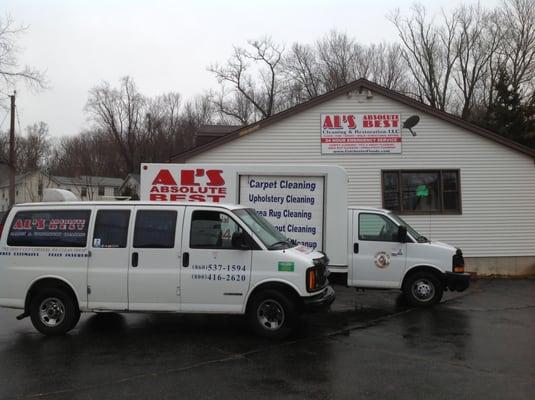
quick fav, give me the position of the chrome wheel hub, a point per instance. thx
(270, 314)
(51, 312)
(423, 289)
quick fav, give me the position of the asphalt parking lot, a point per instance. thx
(477, 345)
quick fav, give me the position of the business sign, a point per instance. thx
(360, 133)
(293, 204)
(171, 183)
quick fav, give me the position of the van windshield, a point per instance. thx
(267, 233)
(413, 232)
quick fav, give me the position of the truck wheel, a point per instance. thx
(423, 289)
(53, 312)
(272, 314)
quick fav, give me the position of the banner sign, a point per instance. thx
(294, 204)
(360, 133)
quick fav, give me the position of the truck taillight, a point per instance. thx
(458, 268)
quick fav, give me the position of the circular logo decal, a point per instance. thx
(382, 259)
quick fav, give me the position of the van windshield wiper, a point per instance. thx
(272, 247)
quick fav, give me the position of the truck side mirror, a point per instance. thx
(402, 234)
(240, 241)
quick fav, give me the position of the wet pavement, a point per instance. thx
(479, 345)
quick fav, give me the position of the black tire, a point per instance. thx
(53, 311)
(423, 289)
(272, 314)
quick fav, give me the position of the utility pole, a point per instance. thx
(12, 166)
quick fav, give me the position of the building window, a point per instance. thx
(422, 191)
(84, 191)
(101, 190)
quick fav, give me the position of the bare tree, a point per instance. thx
(10, 70)
(338, 56)
(479, 36)
(253, 75)
(301, 71)
(32, 151)
(119, 113)
(518, 45)
(430, 53)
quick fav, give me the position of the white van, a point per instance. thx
(60, 259)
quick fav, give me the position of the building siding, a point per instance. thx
(497, 183)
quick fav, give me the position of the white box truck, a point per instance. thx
(308, 204)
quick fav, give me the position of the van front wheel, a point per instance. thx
(423, 289)
(272, 314)
(53, 312)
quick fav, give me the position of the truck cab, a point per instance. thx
(385, 252)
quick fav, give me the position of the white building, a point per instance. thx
(453, 181)
(29, 187)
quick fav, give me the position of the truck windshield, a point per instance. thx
(267, 233)
(410, 229)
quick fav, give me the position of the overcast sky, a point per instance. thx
(166, 45)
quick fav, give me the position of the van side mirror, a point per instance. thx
(240, 241)
(402, 234)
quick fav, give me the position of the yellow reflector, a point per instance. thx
(311, 279)
(459, 269)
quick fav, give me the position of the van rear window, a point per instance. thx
(51, 228)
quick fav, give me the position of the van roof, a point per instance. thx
(129, 203)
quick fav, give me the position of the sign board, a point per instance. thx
(360, 133)
(294, 204)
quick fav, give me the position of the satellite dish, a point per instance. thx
(410, 123)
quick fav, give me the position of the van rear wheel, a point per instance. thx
(272, 314)
(53, 312)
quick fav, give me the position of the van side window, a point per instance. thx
(212, 230)
(50, 228)
(111, 229)
(376, 227)
(155, 229)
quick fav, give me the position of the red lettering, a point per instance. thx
(177, 197)
(367, 123)
(327, 123)
(164, 177)
(187, 178)
(157, 197)
(337, 121)
(197, 197)
(39, 223)
(215, 177)
(351, 124)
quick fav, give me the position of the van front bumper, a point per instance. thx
(319, 301)
(457, 282)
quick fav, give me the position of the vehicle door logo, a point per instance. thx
(382, 259)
